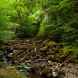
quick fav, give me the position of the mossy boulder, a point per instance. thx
(10, 72)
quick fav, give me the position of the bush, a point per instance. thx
(6, 35)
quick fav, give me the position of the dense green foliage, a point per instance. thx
(39, 18)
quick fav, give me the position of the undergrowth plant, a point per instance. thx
(39, 18)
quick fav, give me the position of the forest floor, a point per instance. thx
(45, 58)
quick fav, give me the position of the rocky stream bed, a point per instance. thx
(45, 58)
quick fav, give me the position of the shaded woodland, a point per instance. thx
(39, 38)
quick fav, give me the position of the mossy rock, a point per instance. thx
(10, 72)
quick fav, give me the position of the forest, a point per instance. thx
(38, 39)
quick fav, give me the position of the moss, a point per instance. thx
(10, 72)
